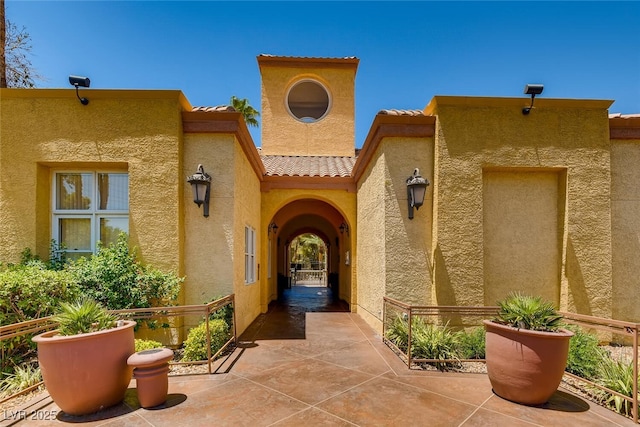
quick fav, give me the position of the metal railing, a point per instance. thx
(203, 311)
(469, 316)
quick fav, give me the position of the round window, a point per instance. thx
(308, 101)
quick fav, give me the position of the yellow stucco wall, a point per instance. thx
(209, 241)
(394, 251)
(625, 222)
(214, 266)
(246, 195)
(135, 131)
(475, 134)
(523, 226)
(283, 135)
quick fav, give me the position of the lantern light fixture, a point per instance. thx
(201, 185)
(344, 227)
(272, 227)
(416, 189)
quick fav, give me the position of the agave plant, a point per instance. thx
(83, 316)
(528, 312)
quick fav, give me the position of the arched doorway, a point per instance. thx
(307, 252)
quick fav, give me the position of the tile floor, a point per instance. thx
(331, 369)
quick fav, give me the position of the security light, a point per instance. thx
(533, 90)
(78, 81)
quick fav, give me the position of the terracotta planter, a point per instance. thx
(525, 366)
(87, 372)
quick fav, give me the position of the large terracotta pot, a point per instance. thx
(85, 373)
(525, 366)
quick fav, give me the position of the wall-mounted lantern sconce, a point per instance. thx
(344, 227)
(201, 185)
(532, 90)
(416, 189)
(78, 81)
(272, 227)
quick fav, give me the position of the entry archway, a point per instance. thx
(319, 218)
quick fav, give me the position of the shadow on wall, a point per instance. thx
(445, 294)
(577, 291)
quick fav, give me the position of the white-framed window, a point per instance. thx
(89, 206)
(249, 255)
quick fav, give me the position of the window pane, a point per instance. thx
(75, 233)
(73, 191)
(113, 191)
(110, 228)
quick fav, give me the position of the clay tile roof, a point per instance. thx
(330, 166)
(402, 112)
(218, 108)
(266, 55)
(623, 116)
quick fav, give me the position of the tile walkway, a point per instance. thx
(328, 368)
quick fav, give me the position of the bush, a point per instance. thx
(428, 341)
(195, 346)
(115, 278)
(434, 342)
(584, 354)
(142, 345)
(471, 345)
(29, 292)
(23, 378)
(83, 316)
(398, 333)
(528, 312)
(617, 376)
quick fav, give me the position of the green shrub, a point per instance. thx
(398, 333)
(24, 377)
(83, 316)
(28, 292)
(471, 344)
(225, 313)
(115, 278)
(195, 346)
(617, 376)
(584, 354)
(142, 345)
(528, 312)
(428, 341)
(434, 342)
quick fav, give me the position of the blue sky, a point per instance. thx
(408, 51)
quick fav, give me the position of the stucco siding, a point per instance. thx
(573, 136)
(282, 134)
(371, 241)
(625, 201)
(246, 208)
(138, 132)
(209, 242)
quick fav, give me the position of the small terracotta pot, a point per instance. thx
(525, 366)
(151, 370)
(85, 373)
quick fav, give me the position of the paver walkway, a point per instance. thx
(306, 363)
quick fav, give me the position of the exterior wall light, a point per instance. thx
(78, 81)
(272, 227)
(416, 189)
(532, 90)
(201, 185)
(344, 227)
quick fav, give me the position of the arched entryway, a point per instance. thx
(311, 282)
